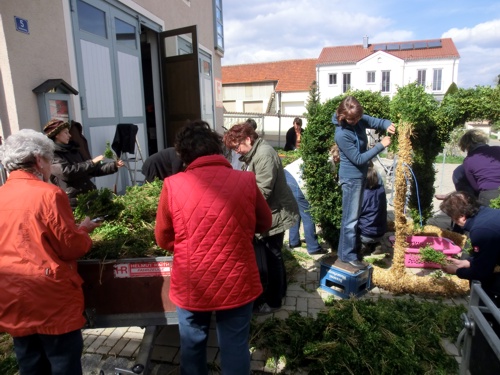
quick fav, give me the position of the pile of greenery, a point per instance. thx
(388, 336)
(128, 230)
(8, 362)
(428, 254)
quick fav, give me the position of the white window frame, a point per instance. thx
(346, 86)
(332, 77)
(421, 77)
(218, 27)
(437, 79)
(385, 84)
(370, 76)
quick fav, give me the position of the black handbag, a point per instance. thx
(261, 257)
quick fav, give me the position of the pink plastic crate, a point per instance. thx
(412, 258)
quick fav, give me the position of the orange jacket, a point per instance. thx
(40, 288)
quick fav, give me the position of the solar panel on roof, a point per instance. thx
(434, 43)
(379, 47)
(405, 46)
(393, 47)
(417, 45)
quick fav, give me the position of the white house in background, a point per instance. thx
(386, 66)
(267, 88)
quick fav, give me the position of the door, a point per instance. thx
(108, 56)
(180, 78)
(109, 60)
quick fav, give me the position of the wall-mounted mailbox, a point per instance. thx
(53, 100)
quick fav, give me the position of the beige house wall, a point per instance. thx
(30, 59)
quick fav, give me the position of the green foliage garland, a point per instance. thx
(413, 105)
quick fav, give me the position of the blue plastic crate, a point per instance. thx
(343, 283)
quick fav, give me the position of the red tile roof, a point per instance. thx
(290, 75)
(353, 54)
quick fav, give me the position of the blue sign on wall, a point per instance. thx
(22, 25)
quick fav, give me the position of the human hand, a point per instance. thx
(88, 225)
(391, 129)
(120, 163)
(386, 141)
(455, 264)
(97, 159)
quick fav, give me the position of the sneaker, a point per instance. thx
(319, 252)
(366, 249)
(378, 250)
(264, 309)
(358, 264)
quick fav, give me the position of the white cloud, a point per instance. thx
(485, 34)
(479, 49)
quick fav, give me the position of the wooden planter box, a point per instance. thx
(127, 292)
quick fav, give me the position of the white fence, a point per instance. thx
(272, 128)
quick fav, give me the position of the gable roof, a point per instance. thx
(290, 75)
(354, 53)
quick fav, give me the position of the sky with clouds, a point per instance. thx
(274, 30)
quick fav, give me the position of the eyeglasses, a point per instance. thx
(237, 149)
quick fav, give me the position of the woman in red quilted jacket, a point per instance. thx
(208, 216)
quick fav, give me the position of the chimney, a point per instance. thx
(365, 42)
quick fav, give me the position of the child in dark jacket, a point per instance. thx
(373, 219)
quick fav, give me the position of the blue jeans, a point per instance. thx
(233, 328)
(312, 243)
(49, 354)
(352, 199)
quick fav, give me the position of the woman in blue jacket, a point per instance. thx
(350, 136)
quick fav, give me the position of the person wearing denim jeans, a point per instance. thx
(350, 137)
(208, 215)
(233, 328)
(293, 175)
(352, 198)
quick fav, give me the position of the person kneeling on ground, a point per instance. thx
(483, 225)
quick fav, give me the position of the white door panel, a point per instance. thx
(130, 85)
(98, 82)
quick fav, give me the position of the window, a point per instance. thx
(386, 81)
(370, 77)
(219, 26)
(125, 33)
(346, 82)
(91, 19)
(436, 83)
(332, 78)
(421, 77)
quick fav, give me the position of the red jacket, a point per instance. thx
(208, 215)
(40, 289)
